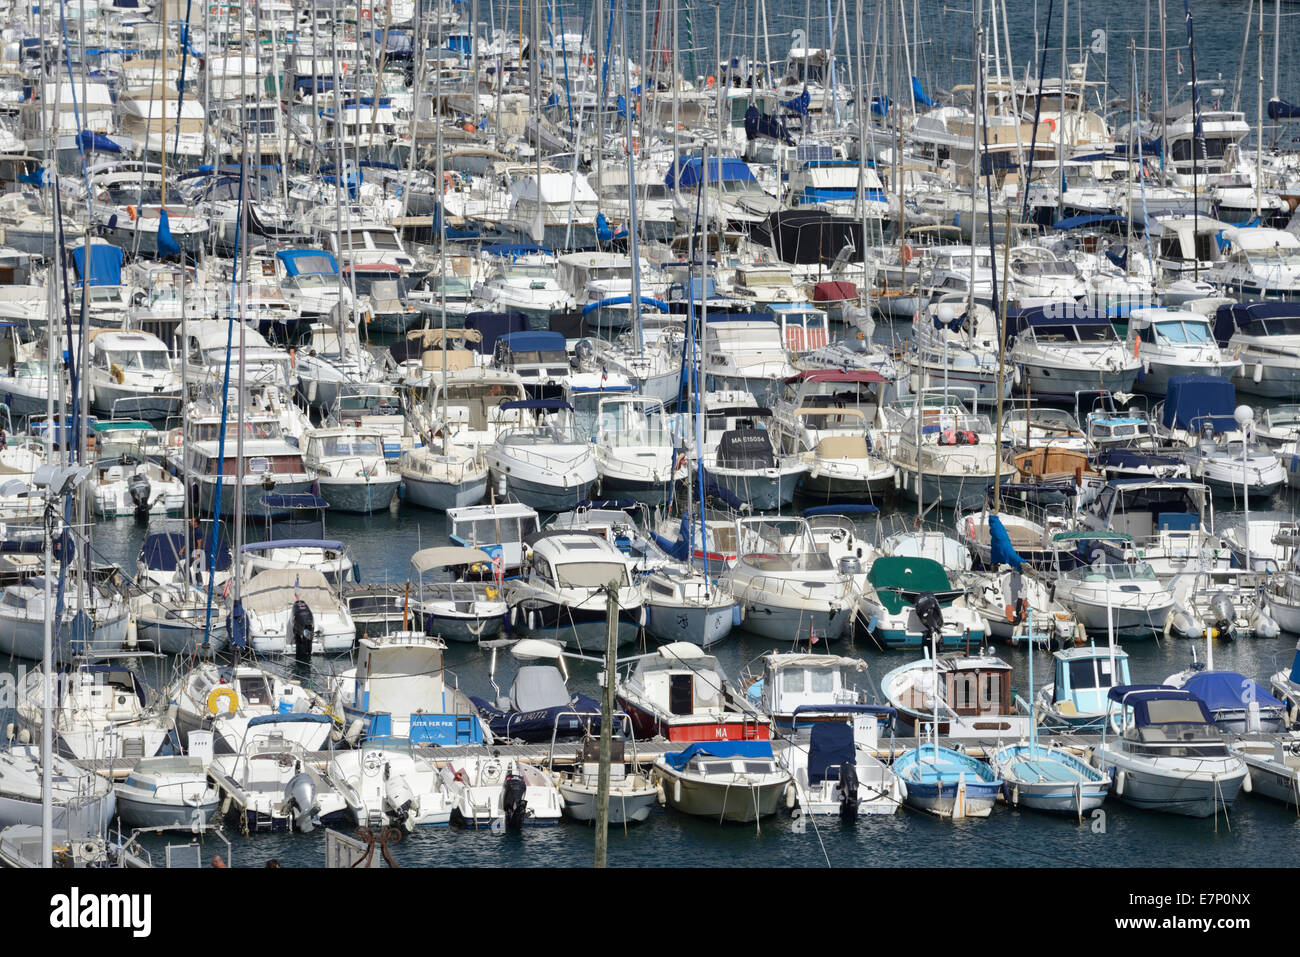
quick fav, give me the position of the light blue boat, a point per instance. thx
(1048, 779)
(947, 782)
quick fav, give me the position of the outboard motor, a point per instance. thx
(138, 487)
(300, 801)
(303, 623)
(848, 792)
(398, 799)
(1223, 614)
(930, 613)
(513, 805)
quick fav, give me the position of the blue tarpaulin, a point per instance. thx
(105, 264)
(1228, 691)
(35, 178)
(688, 172)
(918, 94)
(798, 104)
(1193, 400)
(534, 340)
(98, 142)
(167, 244)
(604, 233)
(759, 124)
(718, 749)
(1001, 551)
(830, 746)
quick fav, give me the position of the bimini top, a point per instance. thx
(689, 172)
(1193, 400)
(1228, 691)
(534, 340)
(1158, 704)
(308, 262)
(720, 749)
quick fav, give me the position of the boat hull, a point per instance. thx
(359, 497)
(699, 625)
(441, 496)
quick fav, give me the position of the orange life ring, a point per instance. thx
(130, 211)
(710, 81)
(906, 254)
(1051, 122)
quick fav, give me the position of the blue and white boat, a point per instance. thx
(1170, 756)
(889, 606)
(1076, 698)
(1046, 778)
(946, 782)
(1239, 705)
(539, 707)
(399, 691)
(831, 759)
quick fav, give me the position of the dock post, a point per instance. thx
(606, 724)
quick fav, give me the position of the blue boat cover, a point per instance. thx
(689, 171)
(1090, 221)
(534, 340)
(105, 264)
(1282, 110)
(840, 510)
(493, 325)
(297, 718)
(308, 262)
(1192, 400)
(623, 301)
(1227, 691)
(167, 244)
(830, 745)
(720, 749)
(1001, 551)
(918, 94)
(97, 141)
(164, 551)
(1141, 697)
(552, 405)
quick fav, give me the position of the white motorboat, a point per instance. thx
(1274, 764)
(76, 794)
(443, 478)
(272, 783)
(496, 792)
(635, 456)
(738, 781)
(1169, 756)
(562, 595)
(131, 374)
(351, 470)
(684, 604)
(1059, 351)
(1119, 598)
(101, 712)
(457, 595)
(224, 698)
(167, 792)
(832, 762)
(632, 793)
(788, 588)
(547, 467)
(391, 786)
(295, 609)
(1174, 342)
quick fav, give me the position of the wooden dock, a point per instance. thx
(567, 754)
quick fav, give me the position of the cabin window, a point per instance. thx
(822, 682)
(1083, 676)
(254, 691)
(681, 697)
(793, 682)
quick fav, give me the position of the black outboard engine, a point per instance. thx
(513, 805)
(930, 613)
(138, 487)
(1223, 614)
(848, 793)
(303, 623)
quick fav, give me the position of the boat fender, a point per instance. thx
(25, 736)
(354, 731)
(1259, 372)
(225, 692)
(132, 633)
(677, 790)
(659, 793)
(791, 797)
(1247, 784)
(1121, 778)
(1015, 795)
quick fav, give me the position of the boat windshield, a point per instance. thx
(591, 574)
(1115, 572)
(139, 361)
(349, 445)
(1183, 333)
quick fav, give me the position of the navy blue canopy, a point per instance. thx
(1228, 691)
(165, 551)
(1256, 319)
(1141, 698)
(326, 543)
(492, 326)
(552, 405)
(1193, 400)
(295, 718)
(718, 749)
(759, 124)
(840, 510)
(1282, 110)
(105, 264)
(689, 171)
(534, 340)
(97, 141)
(830, 746)
(1090, 221)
